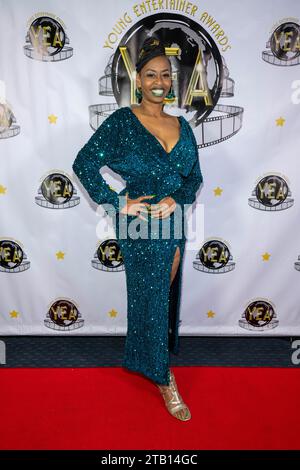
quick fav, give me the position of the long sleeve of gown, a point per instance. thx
(186, 194)
(99, 151)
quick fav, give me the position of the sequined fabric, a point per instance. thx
(129, 149)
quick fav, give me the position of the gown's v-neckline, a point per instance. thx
(153, 136)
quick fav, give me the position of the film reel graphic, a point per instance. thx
(8, 126)
(283, 45)
(200, 77)
(271, 193)
(297, 264)
(259, 315)
(214, 257)
(13, 258)
(57, 192)
(46, 40)
(63, 315)
(108, 256)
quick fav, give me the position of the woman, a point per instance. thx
(157, 155)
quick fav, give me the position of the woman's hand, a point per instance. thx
(164, 208)
(135, 206)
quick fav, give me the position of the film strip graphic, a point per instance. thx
(100, 266)
(11, 131)
(269, 326)
(222, 127)
(199, 266)
(7, 119)
(224, 121)
(32, 53)
(49, 323)
(297, 264)
(18, 269)
(269, 57)
(256, 204)
(43, 202)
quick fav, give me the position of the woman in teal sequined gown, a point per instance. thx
(126, 146)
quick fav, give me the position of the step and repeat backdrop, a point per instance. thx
(64, 67)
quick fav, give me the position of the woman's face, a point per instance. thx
(155, 79)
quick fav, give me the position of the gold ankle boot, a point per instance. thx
(173, 400)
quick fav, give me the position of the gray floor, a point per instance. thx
(107, 351)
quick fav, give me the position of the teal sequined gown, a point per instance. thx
(129, 149)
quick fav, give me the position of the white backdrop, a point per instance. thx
(45, 121)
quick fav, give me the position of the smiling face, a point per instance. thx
(155, 79)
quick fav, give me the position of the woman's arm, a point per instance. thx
(99, 151)
(186, 194)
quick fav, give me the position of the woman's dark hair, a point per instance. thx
(152, 47)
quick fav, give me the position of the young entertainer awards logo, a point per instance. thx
(63, 315)
(108, 256)
(259, 315)
(56, 191)
(283, 45)
(214, 257)
(46, 39)
(13, 258)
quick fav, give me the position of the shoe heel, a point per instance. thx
(173, 400)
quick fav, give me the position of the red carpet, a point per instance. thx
(112, 408)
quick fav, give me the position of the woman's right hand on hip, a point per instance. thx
(136, 206)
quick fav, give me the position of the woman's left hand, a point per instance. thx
(163, 209)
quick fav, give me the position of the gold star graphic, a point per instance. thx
(113, 313)
(2, 189)
(52, 119)
(210, 314)
(218, 191)
(60, 255)
(266, 256)
(280, 121)
(14, 314)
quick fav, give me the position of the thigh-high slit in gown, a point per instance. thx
(148, 248)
